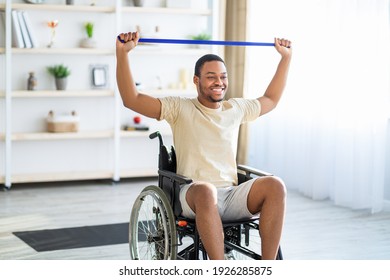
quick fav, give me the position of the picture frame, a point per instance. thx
(99, 76)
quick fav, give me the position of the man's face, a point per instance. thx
(212, 83)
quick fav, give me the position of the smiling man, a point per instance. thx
(205, 133)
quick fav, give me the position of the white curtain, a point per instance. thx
(327, 136)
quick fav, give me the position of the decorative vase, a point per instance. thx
(69, 2)
(61, 83)
(31, 81)
(88, 43)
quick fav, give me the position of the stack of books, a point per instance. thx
(22, 33)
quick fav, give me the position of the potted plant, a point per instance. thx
(60, 73)
(88, 42)
(200, 37)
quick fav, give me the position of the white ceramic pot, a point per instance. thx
(88, 43)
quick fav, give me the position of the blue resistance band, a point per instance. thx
(199, 42)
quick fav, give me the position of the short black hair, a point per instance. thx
(206, 58)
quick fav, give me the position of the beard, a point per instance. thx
(210, 97)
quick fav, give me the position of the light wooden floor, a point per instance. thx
(313, 229)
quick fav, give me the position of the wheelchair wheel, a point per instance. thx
(152, 228)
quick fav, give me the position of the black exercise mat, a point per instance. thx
(76, 237)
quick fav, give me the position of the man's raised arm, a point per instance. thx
(131, 98)
(276, 87)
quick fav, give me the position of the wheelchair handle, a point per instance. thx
(157, 134)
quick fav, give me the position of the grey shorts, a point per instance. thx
(232, 202)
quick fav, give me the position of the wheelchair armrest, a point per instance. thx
(175, 177)
(249, 170)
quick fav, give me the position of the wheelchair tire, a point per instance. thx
(152, 227)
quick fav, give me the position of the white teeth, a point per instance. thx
(217, 89)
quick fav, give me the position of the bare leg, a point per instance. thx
(268, 196)
(202, 198)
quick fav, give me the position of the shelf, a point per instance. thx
(60, 176)
(109, 9)
(64, 51)
(141, 50)
(47, 136)
(141, 134)
(60, 93)
(82, 175)
(64, 8)
(95, 93)
(162, 10)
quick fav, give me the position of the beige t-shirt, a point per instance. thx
(205, 139)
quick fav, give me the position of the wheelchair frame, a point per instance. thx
(162, 233)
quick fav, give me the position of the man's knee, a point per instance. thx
(277, 186)
(202, 195)
(271, 189)
(270, 186)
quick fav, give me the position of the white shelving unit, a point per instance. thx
(100, 150)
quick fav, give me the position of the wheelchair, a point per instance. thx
(157, 231)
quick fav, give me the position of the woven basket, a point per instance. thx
(66, 123)
(62, 126)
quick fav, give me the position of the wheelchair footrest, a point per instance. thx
(243, 250)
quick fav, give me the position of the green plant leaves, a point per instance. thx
(59, 71)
